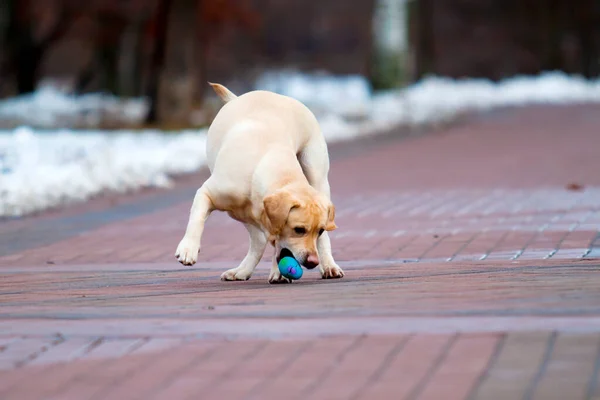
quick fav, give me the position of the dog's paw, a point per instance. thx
(331, 272)
(276, 277)
(187, 251)
(236, 274)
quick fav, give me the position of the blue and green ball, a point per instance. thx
(290, 268)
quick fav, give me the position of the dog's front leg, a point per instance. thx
(315, 164)
(327, 265)
(258, 243)
(187, 251)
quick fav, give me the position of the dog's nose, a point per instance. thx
(311, 261)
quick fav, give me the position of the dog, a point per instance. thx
(269, 166)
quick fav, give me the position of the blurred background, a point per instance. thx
(71, 72)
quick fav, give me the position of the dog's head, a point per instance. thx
(295, 220)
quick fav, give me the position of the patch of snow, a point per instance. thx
(39, 170)
(438, 98)
(433, 99)
(50, 106)
(324, 94)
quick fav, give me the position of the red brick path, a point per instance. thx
(472, 273)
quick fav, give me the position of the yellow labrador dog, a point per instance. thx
(269, 165)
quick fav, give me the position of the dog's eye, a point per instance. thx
(321, 232)
(299, 230)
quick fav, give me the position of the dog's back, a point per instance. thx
(256, 122)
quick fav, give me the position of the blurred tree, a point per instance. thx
(110, 27)
(422, 37)
(34, 26)
(452, 37)
(112, 20)
(388, 69)
(116, 33)
(26, 45)
(158, 56)
(211, 17)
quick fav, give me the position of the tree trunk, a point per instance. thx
(131, 55)
(28, 61)
(109, 59)
(24, 51)
(85, 77)
(588, 28)
(137, 70)
(202, 68)
(25, 56)
(158, 57)
(421, 16)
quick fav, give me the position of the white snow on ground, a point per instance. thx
(42, 169)
(50, 106)
(39, 170)
(348, 96)
(431, 100)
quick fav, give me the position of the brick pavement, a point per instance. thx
(471, 256)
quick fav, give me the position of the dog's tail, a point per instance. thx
(225, 94)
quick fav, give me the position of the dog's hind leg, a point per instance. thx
(258, 243)
(187, 251)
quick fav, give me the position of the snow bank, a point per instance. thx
(435, 98)
(39, 169)
(49, 107)
(324, 94)
(431, 100)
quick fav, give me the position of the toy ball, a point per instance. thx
(290, 268)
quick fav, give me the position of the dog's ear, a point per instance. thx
(277, 207)
(330, 218)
